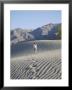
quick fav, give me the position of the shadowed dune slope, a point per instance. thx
(25, 48)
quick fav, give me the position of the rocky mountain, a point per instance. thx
(49, 31)
(19, 35)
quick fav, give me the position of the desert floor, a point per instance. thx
(45, 64)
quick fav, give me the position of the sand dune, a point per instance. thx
(45, 64)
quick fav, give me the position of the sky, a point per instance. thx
(32, 19)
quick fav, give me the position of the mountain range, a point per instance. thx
(46, 32)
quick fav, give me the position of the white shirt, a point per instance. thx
(35, 46)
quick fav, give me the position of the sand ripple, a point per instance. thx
(45, 64)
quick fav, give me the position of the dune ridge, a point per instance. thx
(40, 65)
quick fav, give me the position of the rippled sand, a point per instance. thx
(40, 65)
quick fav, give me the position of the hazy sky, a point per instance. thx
(31, 19)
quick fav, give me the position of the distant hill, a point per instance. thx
(46, 32)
